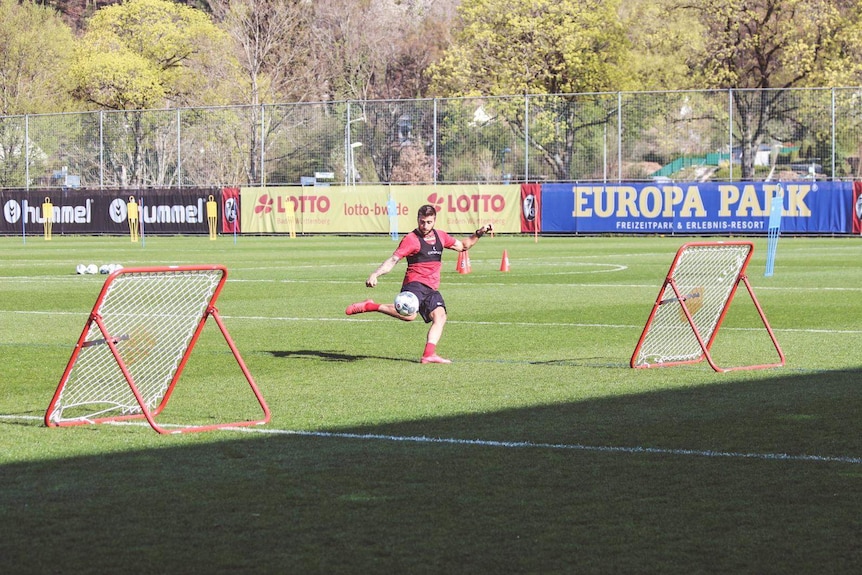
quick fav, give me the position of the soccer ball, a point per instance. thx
(81, 269)
(92, 269)
(406, 303)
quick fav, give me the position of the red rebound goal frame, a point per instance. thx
(135, 345)
(692, 303)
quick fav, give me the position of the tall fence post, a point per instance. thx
(261, 168)
(101, 149)
(619, 137)
(526, 139)
(179, 152)
(26, 153)
(832, 151)
(730, 133)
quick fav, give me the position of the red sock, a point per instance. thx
(371, 306)
(429, 349)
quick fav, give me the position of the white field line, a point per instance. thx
(454, 283)
(482, 323)
(637, 450)
(614, 268)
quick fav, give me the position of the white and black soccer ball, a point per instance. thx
(81, 269)
(406, 303)
(92, 269)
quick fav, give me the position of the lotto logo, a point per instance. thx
(467, 203)
(264, 204)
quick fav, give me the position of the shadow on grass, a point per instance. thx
(330, 355)
(233, 502)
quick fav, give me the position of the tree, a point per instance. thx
(34, 49)
(665, 42)
(761, 48)
(146, 53)
(378, 49)
(143, 54)
(534, 47)
(348, 41)
(271, 39)
(370, 49)
(418, 34)
(34, 44)
(564, 47)
(273, 47)
(414, 166)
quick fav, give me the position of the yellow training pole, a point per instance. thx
(133, 218)
(291, 218)
(47, 217)
(212, 216)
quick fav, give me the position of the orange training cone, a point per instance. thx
(504, 265)
(463, 263)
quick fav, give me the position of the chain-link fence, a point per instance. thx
(729, 135)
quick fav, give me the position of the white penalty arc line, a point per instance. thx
(517, 444)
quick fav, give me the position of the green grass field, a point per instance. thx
(538, 450)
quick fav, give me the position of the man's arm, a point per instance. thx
(467, 243)
(382, 269)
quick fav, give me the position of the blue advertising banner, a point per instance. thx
(696, 207)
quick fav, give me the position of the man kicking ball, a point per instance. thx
(423, 248)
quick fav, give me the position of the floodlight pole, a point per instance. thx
(503, 164)
(348, 148)
(352, 148)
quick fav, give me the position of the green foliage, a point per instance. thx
(144, 53)
(774, 44)
(536, 47)
(665, 45)
(117, 80)
(35, 46)
(779, 43)
(473, 134)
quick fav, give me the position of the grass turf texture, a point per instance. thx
(543, 451)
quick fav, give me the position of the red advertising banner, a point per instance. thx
(857, 208)
(531, 204)
(230, 211)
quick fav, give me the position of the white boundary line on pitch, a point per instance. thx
(520, 444)
(453, 321)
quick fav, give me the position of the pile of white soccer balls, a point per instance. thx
(93, 269)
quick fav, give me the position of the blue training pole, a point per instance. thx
(392, 210)
(774, 231)
(143, 241)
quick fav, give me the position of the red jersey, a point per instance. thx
(424, 256)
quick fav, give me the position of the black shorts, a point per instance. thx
(429, 299)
